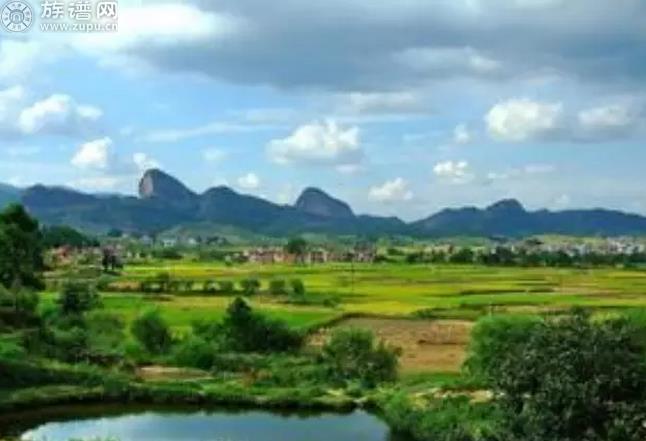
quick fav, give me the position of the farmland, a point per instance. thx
(379, 293)
(447, 291)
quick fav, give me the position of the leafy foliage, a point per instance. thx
(352, 354)
(152, 332)
(243, 330)
(574, 379)
(21, 260)
(78, 297)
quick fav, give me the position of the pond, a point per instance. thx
(126, 423)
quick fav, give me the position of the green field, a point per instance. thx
(460, 291)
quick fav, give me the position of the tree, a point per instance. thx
(277, 287)
(244, 330)
(296, 246)
(574, 379)
(250, 286)
(21, 260)
(352, 354)
(18, 307)
(298, 288)
(77, 298)
(152, 332)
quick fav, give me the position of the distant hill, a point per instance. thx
(509, 218)
(8, 194)
(165, 203)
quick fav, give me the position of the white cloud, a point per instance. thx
(99, 156)
(456, 172)
(250, 181)
(10, 100)
(612, 117)
(96, 154)
(18, 58)
(212, 128)
(100, 183)
(522, 119)
(391, 191)
(380, 102)
(461, 134)
(561, 201)
(58, 114)
(160, 25)
(19, 151)
(214, 155)
(521, 172)
(442, 61)
(318, 144)
(144, 162)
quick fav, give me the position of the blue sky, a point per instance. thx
(398, 107)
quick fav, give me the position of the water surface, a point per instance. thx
(163, 424)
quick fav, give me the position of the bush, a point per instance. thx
(106, 334)
(226, 287)
(449, 419)
(493, 336)
(152, 332)
(244, 330)
(277, 287)
(77, 298)
(574, 379)
(352, 354)
(194, 352)
(250, 286)
(298, 288)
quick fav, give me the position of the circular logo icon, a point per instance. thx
(16, 16)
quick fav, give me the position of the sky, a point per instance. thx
(399, 107)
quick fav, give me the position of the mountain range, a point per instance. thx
(164, 202)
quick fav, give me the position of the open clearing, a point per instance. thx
(427, 346)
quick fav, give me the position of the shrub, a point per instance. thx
(194, 352)
(226, 287)
(250, 286)
(277, 287)
(106, 333)
(244, 330)
(152, 332)
(493, 336)
(448, 419)
(352, 354)
(298, 288)
(77, 298)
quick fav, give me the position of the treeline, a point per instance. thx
(163, 282)
(503, 256)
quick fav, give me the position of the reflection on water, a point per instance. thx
(128, 424)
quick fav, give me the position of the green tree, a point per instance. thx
(152, 332)
(353, 354)
(574, 379)
(78, 297)
(298, 288)
(250, 286)
(296, 246)
(244, 330)
(21, 261)
(277, 287)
